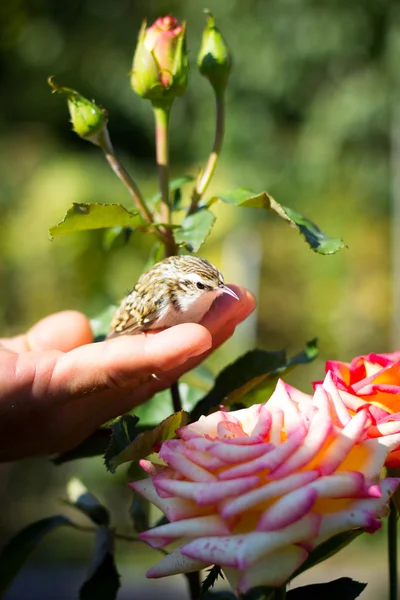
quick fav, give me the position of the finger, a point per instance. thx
(62, 331)
(128, 360)
(221, 323)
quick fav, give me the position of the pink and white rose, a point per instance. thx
(255, 490)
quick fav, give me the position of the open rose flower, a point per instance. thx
(255, 490)
(373, 379)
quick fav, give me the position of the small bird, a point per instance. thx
(178, 289)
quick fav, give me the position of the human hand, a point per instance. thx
(56, 387)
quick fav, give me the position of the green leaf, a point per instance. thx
(17, 551)
(316, 239)
(83, 216)
(80, 498)
(255, 369)
(265, 385)
(213, 574)
(143, 444)
(174, 184)
(100, 324)
(194, 229)
(343, 588)
(116, 237)
(328, 549)
(123, 431)
(103, 580)
(94, 445)
(201, 377)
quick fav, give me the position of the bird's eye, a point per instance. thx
(200, 285)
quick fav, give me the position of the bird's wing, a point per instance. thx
(127, 320)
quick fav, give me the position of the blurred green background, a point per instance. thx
(312, 119)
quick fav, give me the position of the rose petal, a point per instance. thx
(272, 489)
(173, 564)
(199, 526)
(273, 570)
(270, 461)
(208, 493)
(287, 510)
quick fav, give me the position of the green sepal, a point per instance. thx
(87, 118)
(214, 59)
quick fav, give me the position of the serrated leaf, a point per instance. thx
(343, 588)
(17, 551)
(194, 229)
(123, 431)
(213, 574)
(83, 216)
(328, 549)
(252, 370)
(94, 445)
(102, 582)
(143, 444)
(80, 498)
(316, 239)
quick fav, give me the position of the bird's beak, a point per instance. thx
(225, 289)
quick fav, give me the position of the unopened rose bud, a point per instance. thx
(214, 59)
(160, 64)
(88, 120)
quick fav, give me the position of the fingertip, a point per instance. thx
(61, 331)
(226, 308)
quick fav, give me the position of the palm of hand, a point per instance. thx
(57, 387)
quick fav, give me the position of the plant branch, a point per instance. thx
(392, 551)
(193, 580)
(105, 144)
(161, 115)
(206, 175)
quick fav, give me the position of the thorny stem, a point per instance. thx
(392, 551)
(120, 171)
(205, 176)
(161, 115)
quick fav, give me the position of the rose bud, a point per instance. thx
(160, 64)
(88, 120)
(214, 59)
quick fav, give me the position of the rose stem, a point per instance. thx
(107, 147)
(161, 115)
(194, 584)
(206, 176)
(392, 551)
